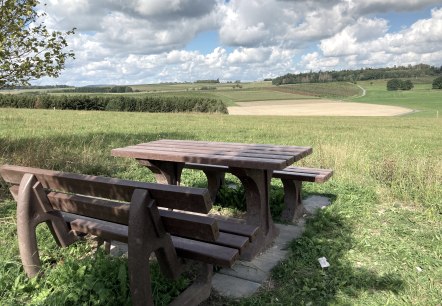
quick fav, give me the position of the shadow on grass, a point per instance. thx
(299, 279)
(87, 153)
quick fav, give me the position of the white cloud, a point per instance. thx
(249, 55)
(411, 45)
(137, 41)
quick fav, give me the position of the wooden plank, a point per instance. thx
(98, 208)
(306, 177)
(190, 226)
(170, 196)
(218, 148)
(233, 241)
(304, 174)
(226, 225)
(187, 248)
(295, 173)
(205, 252)
(281, 148)
(185, 225)
(213, 151)
(238, 229)
(232, 161)
(106, 230)
(307, 170)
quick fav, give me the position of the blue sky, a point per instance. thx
(138, 41)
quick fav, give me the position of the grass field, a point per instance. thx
(382, 234)
(427, 101)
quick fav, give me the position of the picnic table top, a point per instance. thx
(241, 155)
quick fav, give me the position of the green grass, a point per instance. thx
(427, 101)
(384, 223)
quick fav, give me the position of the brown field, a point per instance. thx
(316, 107)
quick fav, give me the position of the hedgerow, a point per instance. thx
(151, 104)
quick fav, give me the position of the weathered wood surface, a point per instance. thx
(255, 156)
(170, 196)
(305, 174)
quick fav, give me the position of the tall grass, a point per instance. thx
(385, 220)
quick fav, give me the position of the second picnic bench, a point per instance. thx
(137, 213)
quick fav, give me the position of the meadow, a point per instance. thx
(382, 234)
(426, 101)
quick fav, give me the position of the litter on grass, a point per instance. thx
(323, 262)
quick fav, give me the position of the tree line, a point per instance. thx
(151, 104)
(363, 74)
(99, 89)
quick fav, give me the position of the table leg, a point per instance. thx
(165, 172)
(294, 209)
(256, 184)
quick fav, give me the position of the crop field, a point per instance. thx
(382, 234)
(332, 90)
(261, 95)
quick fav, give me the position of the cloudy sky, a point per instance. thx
(152, 41)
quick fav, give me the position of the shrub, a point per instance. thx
(152, 104)
(398, 84)
(437, 83)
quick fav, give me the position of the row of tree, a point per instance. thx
(151, 104)
(99, 89)
(359, 75)
(208, 81)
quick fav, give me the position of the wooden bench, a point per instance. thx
(291, 177)
(136, 213)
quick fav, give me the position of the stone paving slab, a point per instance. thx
(238, 288)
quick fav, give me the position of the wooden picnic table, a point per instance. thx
(253, 164)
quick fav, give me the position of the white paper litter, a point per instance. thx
(419, 269)
(323, 262)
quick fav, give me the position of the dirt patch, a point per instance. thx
(315, 107)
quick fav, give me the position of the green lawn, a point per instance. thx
(382, 234)
(427, 101)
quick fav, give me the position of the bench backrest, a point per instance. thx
(108, 199)
(169, 196)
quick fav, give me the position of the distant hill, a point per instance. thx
(363, 74)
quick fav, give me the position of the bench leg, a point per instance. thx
(294, 209)
(33, 208)
(257, 188)
(165, 172)
(146, 235)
